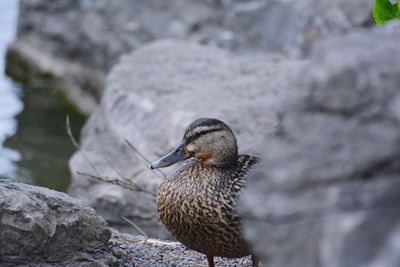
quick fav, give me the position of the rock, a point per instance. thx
(327, 191)
(37, 69)
(141, 252)
(99, 37)
(40, 227)
(152, 95)
(38, 224)
(292, 27)
(78, 42)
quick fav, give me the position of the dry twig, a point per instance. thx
(144, 158)
(123, 182)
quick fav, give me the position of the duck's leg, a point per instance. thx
(210, 260)
(255, 260)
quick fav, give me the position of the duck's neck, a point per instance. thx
(221, 162)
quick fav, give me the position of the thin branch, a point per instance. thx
(123, 184)
(124, 179)
(76, 145)
(115, 169)
(144, 158)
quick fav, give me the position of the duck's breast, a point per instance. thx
(200, 212)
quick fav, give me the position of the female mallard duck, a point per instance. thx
(197, 203)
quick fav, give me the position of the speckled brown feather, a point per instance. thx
(198, 203)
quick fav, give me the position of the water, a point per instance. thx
(34, 145)
(10, 104)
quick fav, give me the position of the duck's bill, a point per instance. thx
(176, 155)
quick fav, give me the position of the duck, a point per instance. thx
(197, 203)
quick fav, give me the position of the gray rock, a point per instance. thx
(80, 41)
(36, 68)
(291, 26)
(90, 32)
(327, 190)
(152, 95)
(141, 252)
(38, 224)
(40, 227)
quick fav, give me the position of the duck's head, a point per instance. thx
(211, 141)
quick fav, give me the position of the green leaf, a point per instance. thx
(385, 11)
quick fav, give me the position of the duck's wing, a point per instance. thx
(246, 163)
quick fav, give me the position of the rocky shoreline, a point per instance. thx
(42, 227)
(318, 101)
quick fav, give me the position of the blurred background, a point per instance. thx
(92, 35)
(311, 86)
(34, 145)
